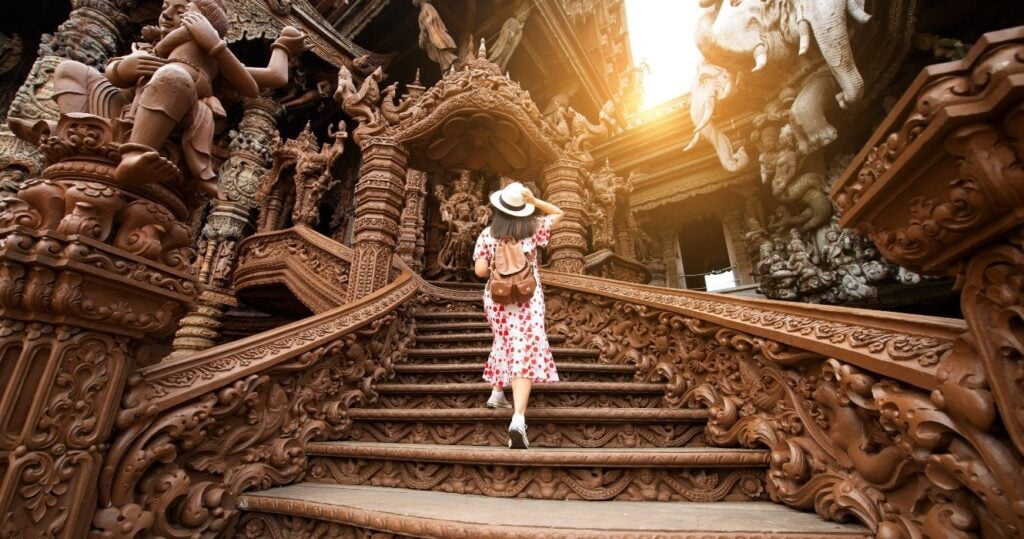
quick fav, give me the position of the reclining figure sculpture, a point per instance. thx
(169, 87)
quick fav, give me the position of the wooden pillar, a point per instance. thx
(732, 230)
(239, 180)
(90, 272)
(670, 255)
(410, 236)
(563, 182)
(379, 196)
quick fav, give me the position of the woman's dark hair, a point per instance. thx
(505, 225)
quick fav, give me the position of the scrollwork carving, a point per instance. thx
(250, 433)
(844, 441)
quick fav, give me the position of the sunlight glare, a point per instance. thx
(661, 34)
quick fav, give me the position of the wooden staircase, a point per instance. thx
(429, 460)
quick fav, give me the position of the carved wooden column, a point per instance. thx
(88, 272)
(229, 222)
(93, 33)
(410, 236)
(732, 225)
(379, 197)
(670, 256)
(563, 186)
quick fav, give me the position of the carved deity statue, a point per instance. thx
(168, 88)
(608, 207)
(508, 39)
(465, 215)
(783, 169)
(434, 37)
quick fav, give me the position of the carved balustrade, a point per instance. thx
(314, 268)
(196, 432)
(868, 415)
(939, 188)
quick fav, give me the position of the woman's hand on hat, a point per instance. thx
(528, 196)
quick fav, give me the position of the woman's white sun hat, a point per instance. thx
(510, 200)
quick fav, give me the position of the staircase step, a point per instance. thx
(453, 316)
(466, 340)
(446, 373)
(561, 394)
(438, 514)
(549, 427)
(648, 474)
(480, 353)
(425, 328)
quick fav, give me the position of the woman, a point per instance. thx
(520, 354)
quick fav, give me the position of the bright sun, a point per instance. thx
(661, 35)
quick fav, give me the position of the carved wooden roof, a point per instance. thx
(476, 118)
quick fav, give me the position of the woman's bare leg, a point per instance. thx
(521, 394)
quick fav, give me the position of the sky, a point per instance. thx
(661, 33)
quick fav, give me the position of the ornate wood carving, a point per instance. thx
(465, 213)
(315, 269)
(563, 185)
(593, 482)
(238, 416)
(378, 199)
(476, 118)
(950, 152)
(411, 243)
(87, 271)
(844, 441)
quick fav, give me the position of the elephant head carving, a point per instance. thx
(742, 35)
(713, 85)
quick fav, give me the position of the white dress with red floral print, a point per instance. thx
(520, 348)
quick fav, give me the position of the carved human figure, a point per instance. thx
(434, 37)
(508, 39)
(781, 165)
(456, 254)
(465, 216)
(173, 85)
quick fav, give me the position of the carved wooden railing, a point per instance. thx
(198, 431)
(313, 267)
(852, 404)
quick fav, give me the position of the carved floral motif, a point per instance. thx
(843, 441)
(247, 428)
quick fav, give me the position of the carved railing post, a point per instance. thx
(239, 180)
(410, 237)
(563, 182)
(379, 196)
(939, 189)
(87, 272)
(93, 33)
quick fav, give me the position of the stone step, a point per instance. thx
(478, 354)
(447, 373)
(645, 474)
(554, 395)
(549, 427)
(361, 511)
(466, 340)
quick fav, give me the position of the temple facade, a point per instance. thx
(237, 293)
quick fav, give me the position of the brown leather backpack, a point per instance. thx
(512, 278)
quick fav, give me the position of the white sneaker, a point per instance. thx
(517, 437)
(498, 400)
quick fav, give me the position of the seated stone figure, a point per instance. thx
(170, 88)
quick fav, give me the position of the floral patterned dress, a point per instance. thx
(520, 347)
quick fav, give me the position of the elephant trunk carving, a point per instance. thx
(827, 20)
(713, 85)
